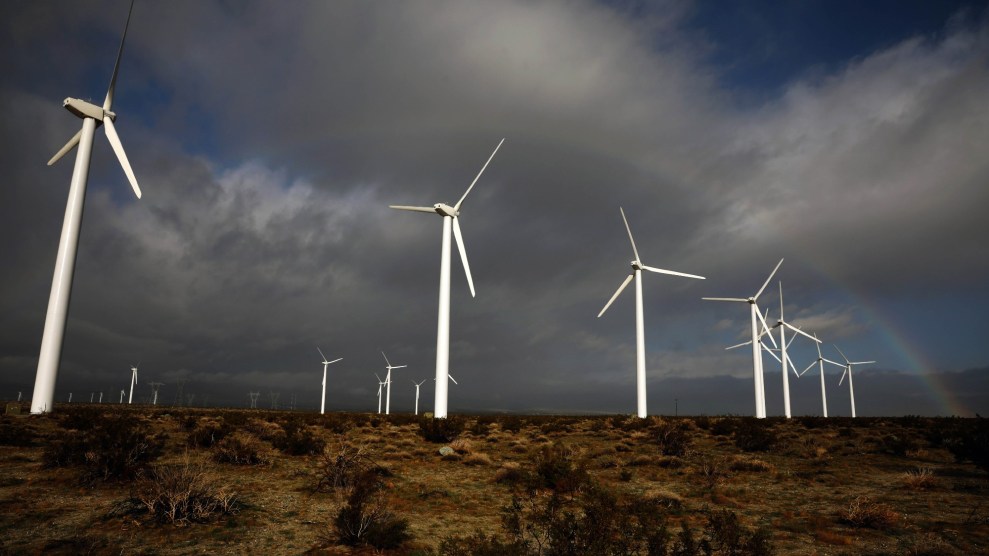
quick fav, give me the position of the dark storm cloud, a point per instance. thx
(270, 138)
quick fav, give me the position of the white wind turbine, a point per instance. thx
(451, 220)
(418, 384)
(820, 363)
(760, 391)
(133, 381)
(58, 302)
(380, 384)
(848, 370)
(322, 399)
(388, 382)
(784, 358)
(640, 342)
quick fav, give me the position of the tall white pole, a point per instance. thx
(322, 399)
(133, 380)
(824, 396)
(70, 397)
(851, 389)
(640, 348)
(388, 393)
(417, 400)
(756, 364)
(786, 379)
(379, 397)
(58, 302)
(101, 397)
(443, 325)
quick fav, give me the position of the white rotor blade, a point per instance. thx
(321, 352)
(334, 361)
(738, 299)
(818, 346)
(773, 273)
(453, 379)
(770, 352)
(387, 362)
(766, 327)
(400, 367)
(629, 230)
(68, 147)
(377, 377)
(118, 148)
(792, 366)
(116, 65)
(798, 331)
(617, 293)
(832, 362)
(861, 362)
(738, 345)
(842, 353)
(456, 207)
(812, 363)
(463, 253)
(674, 273)
(843, 376)
(415, 209)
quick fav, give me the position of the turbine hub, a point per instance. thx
(636, 265)
(444, 209)
(84, 109)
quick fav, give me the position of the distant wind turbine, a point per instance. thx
(133, 381)
(784, 358)
(451, 219)
(388, 382)
(418, 384)
(640, 342)
(322, 399)
(848, 371)
(58, 302)
(760, 391)
(820, 363)
(380, 384)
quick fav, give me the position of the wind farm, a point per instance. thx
(280, 150)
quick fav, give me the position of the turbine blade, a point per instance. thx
(861, 362)
(617, 293)
(674, 273)
(68, 147)
(463, 253)
(116, 65)
(415, 209)
(321, 352)
(738, 299)
(629, 230)
(118, 148)
(792, 366)
(456, 207)
(377, 377)
(334, 361)
(843, 376)
(808, 368)
(781, 300)
(832, 362)
(387, 362)
(818, 346)
(738, 345)
(453, 379)
(773, 273)
(842, 353)
(400, 367)
(798, 331)
(766, 328)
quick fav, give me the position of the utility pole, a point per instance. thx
(154, 391)
(178, 394)
(274, 399)
(254, 399)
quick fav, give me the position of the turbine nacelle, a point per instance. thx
(84, 109)
(444, 209)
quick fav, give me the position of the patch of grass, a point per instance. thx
(185, 493)
(242, 448)
(921, 479)
(866, 512)
(115, 447)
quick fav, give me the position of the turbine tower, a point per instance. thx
(133, 381)
(760, 391)
(451, 219)
(784, 358)
(820, 363)
(640, 341)
(322, 399)
(418, 384)
(380, 384)
(58, 302)
(154, 391)
(388, 382)
(848, 370)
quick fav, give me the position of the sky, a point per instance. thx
(269, 138)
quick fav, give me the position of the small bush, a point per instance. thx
(440, 431)
(866, 512)
(241, 448)
(298, 440)
(339, 467)
(461, 446)
(898, 445)
(511, 473)
(14, 433)
(725, 535)
(673, 438)
(477, 458)
(185, 493)
(723, 426)
(921, 479)
(754, 436)
(750, 464)
(366, 520)
(511, 423)
(480, 544)
(559, 467)
(206, 435)
(116, 447)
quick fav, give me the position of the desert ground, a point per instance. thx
(117, 479)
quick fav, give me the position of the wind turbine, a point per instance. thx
(133, 381)
(451, 220)
(122, 393)
(784, 358)
(820, 363)
(640, 341)
(322, 399)
(154, 391)
(380, 384)
(388, 382)
(418, 384)
(848, 370)
(760, 391)
(58, 302)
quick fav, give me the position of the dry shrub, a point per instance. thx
(713, 472)
(365, 520)
(669, 462)
(921, 479)
(510, 472)
(185, 493)
(561, 468)
(750, 464)
(461, 446)
(340, 467)
(866, 512)
(242, 448)
(114, 447)
(264, 429)
(477, 458)
(674, 437)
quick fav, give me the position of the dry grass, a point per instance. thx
(864, 511)
(921, 479)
